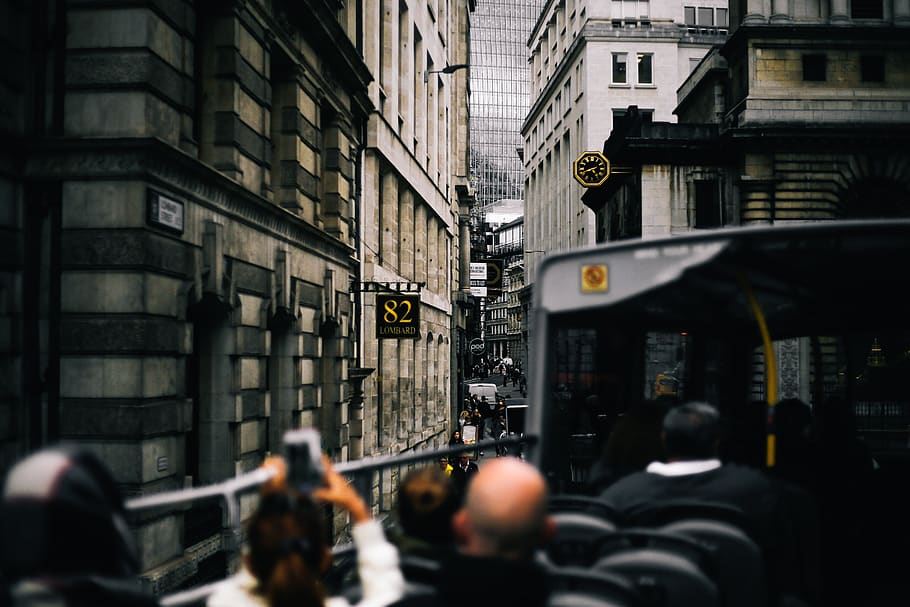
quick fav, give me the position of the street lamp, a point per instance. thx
(446, 70)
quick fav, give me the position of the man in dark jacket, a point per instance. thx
(781, 516)
(462, 473)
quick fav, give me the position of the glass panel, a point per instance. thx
(866, 9)
(616, 9)
(722, 17)
(689, 15)
(705, 17)
(644, 8)
(644, 68)
(619, 68)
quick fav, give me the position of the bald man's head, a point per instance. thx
(505, 512)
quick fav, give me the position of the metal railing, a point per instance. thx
(360, 471)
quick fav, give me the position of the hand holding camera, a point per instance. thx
(306, 469)
(338, 491)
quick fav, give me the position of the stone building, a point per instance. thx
(415, 220)
(802, 115)
(501, 332)
(588, 61)
(186, 192)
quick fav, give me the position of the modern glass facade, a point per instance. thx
(499, 95)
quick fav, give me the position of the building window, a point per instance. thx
(814, 68)
(866, 9)
(707, 204)
(630, 9)
(722, 17)
(645, 75)
(705, 17)
(689, 12)
(619, 68)
(620, 117)
(872, 68)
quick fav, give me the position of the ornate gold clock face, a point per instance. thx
(591, 169)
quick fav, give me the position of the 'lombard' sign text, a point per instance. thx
(397, 316)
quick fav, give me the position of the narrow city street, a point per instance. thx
(512, 395)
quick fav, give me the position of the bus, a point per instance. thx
(746, 319)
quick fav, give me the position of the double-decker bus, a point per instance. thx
(743, 318)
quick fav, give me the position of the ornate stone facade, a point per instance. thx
(179, 197)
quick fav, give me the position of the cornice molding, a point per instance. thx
(156, 162)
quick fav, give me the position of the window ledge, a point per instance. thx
(646, 86)
(620, 85)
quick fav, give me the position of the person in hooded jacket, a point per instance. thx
(64, 539)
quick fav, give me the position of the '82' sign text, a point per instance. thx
(397, 316)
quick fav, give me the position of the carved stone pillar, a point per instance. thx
(754, 13)
(389, 229)
(780, 11)
(406, 233)
(464, 252)
(432, 250)
(839, 12)
(902, 12)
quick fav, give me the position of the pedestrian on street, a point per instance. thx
(463, 473)
(485, 411)
(456, 439)
(499, 430)
(444, 465)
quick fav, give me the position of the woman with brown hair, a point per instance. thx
(288, 550)
(456, 438)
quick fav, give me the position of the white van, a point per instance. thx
(491, 391)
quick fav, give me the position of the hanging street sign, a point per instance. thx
(495, 270)
(397, 316)
(478, 278)
(477, 346)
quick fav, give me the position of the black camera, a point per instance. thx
(303, 454)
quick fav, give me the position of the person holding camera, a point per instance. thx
(288, 551)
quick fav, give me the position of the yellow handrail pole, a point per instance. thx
(770, 368)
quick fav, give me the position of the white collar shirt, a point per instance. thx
(684, 467)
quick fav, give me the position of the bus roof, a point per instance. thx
(808, 278)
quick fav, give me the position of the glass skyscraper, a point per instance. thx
(499, 95)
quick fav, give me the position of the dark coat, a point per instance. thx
(461, 478)
(783, 518)
(481, 582)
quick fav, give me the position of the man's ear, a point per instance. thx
(549, 529)
(461, 527)
(327, 560)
